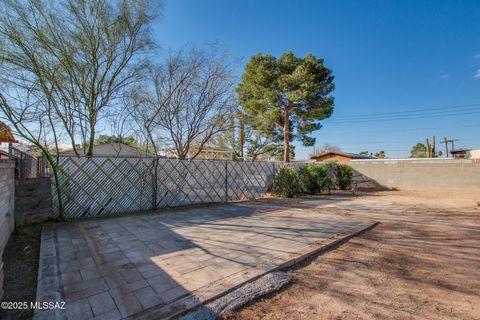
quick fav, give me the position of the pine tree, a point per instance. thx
(287, 96)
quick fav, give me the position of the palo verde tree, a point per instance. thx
(77, 56)
(287, 96)
(65, 64)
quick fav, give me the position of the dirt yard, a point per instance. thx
(421, 262)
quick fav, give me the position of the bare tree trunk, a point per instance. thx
(58, 190)
(286, 135)
(91, 141)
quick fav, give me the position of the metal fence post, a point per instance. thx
(226, 181)
(155, 182)
(44, 165)
(274, 173)
(10, 151)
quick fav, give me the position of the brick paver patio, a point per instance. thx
(154, 266)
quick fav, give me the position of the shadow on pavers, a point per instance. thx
(263, 286)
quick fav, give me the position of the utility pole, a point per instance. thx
(447, 141)
(446, 145)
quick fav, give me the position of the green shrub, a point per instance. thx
(315, 178)
(287, 183)
(344, 176)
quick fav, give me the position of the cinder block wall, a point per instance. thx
(421, 174)
(7, 196)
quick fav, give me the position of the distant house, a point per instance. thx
(6, 134)
(466, 154)
(113, 149)
(342, 157)
(205, 153)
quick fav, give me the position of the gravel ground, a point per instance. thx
(421, 262)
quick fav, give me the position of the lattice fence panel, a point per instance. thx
(183, 182)
(99, 186)
(249, 180)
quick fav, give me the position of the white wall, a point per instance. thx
(474, 154)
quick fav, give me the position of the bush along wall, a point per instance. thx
(312, 178)
(287, 183)
(344, 176)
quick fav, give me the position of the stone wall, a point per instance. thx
(7, 190)
(33, 200)
(419, 174)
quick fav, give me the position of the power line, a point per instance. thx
(466, 106)
(412, 117)
(389, 150)
(415, 129)
(389, 130)
(394, 142)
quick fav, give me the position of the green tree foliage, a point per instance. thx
(315, 178)
(344, 176)
(312, 179)
(248, 143)
(287, 183)
(418, 151)
(287, 97)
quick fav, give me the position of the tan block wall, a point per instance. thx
(420, 174)
(7, 190)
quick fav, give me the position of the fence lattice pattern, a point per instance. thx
(99, 186)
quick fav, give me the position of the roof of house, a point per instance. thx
(115, 149)
(459, 151)
(217, 149)
(343, 154)
(6, 134)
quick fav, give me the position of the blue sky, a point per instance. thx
(387, 56)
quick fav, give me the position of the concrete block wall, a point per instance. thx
(420, 174)
(7, 196)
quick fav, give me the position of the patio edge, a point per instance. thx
(185, 304)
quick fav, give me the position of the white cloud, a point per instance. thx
(444, 76)
(477, 56)
(477, 74)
